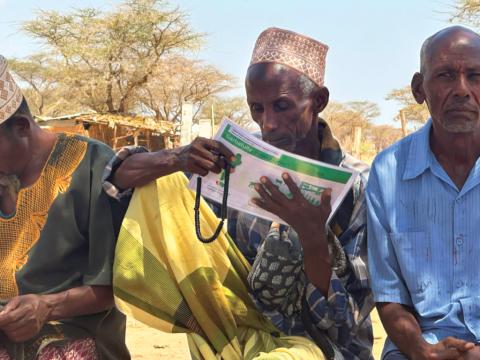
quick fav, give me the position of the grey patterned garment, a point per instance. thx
(279, 284)
(277, 272)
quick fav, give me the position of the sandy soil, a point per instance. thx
(379, 335)
(147, 343)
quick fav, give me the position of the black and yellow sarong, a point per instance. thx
(166, 278)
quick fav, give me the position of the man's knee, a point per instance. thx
(394, 355)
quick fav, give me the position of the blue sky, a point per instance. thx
(374, 44)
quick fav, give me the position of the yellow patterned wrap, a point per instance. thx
(20, 233)
(166, 278)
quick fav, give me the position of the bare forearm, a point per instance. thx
(318, 266)
(200, 157)
(79, 301)
(140, 169)
(403, 329)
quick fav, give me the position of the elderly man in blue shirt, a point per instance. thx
(423, 199)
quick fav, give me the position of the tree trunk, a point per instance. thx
(109, 100)
(357, 141)
(403, 122)
(41, 105)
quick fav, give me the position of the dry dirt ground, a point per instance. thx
(147, 343)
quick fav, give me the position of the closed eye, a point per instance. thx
(281, 105)
(256, 108)
(446, 75)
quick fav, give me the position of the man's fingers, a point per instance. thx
(447, 354)
(265, 205)
(213, 157)
(5, 314)
(196, 169)
(459, 344)
(203, 152)
(207, 154)
(273, 190)
(292, 186)
(209, 165)
(219, 148)
(12, 304)
(265, 196)
(326, 200)
(18, 323)
(266, 201)
(202, 163)
(15, 316)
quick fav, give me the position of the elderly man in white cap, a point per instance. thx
(57, 240)
(325, 292)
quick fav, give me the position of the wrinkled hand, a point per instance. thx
(24, 316)
(297, 211)
(473, 354)
(202, 156)
(9, 187)
(449, 348)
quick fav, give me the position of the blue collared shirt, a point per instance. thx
(424, 238)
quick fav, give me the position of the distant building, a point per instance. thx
(117, 130)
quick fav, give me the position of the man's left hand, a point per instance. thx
(24, 316)
(473, 354)
(296, 211)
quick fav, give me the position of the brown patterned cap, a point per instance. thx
(295, 50)
(10, 94)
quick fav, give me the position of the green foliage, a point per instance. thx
(178, 79)
(111, 61)
(415, 114)
(41, 77)
(344, 117)
(233, 108)
(466, 11)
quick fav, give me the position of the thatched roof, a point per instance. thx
(137, 122)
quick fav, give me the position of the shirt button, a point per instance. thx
(459, 284)
(459, 241)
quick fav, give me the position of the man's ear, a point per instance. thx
(21, 127)
(417, 88)
(321, 97)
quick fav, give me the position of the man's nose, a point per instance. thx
(269, 122)
(462, 87)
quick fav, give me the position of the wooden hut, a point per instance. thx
(117, 130)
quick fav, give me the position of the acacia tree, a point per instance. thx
(467, 11)
(37, 73)
(343, 118)
(176, 80)
(383, 136)
(415, 113)
(107, 57)
(41, 79)
(233, 108)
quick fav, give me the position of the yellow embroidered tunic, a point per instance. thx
(62, 236)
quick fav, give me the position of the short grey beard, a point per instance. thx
(460, 129)
(11, 183)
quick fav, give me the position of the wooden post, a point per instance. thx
(114, 145)
(357, 141)
(212, 132)
(403, 122)
(148, 136)
(135, 137)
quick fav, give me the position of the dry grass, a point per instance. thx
(146, 343)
